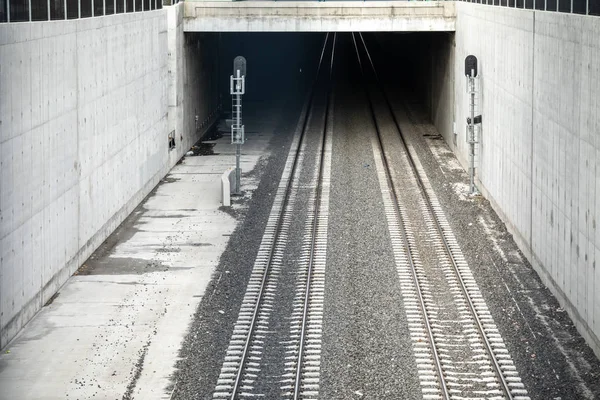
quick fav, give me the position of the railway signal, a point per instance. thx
(473, 120)
(237, 85)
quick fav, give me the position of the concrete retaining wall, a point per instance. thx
(540, 147)
(84, 130)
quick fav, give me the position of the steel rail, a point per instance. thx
(280, 218)
(315, 223)
(428, 202)
(436, 356)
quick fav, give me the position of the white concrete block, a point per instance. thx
(227, 184)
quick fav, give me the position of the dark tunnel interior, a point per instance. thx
(280, 65)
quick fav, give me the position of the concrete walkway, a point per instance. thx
(115, 328)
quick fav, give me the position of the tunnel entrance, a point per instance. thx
(282, 65)
(278, 64)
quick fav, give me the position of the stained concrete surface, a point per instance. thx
(115, 328)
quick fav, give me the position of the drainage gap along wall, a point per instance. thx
(86, 109)
(540, 143)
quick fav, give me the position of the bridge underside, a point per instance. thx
(305, 16)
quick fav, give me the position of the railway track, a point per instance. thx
(458, 349)
(239, 376)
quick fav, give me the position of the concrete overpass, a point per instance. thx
(305, 16)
